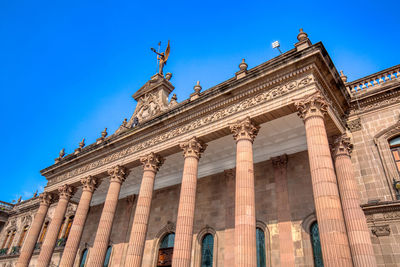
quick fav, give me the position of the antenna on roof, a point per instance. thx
(276, 45)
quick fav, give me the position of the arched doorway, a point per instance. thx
(166, 250)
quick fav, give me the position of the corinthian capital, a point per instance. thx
(152, 162)
(89, 183)
(193, 147)
(280, 161)
(45, 198)
(66, 191)
(118, 174)
(342, 146)
(311, 106)
(244, 129)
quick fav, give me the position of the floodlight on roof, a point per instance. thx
(276, 45)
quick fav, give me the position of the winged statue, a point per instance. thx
(162, 58)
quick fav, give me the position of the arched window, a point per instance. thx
(61, 229)
(316, 245)
(165, 251)
(108, 256)
(207, 250)
(69, 224)
(23, 234)
(11, 238)
(41, 239)
(395, 148)
(261, 259)
(5, 239)
(83, 258)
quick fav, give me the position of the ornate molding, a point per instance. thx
(193, 147)
(89, 183)
(380, 230)
(152, 162)
(244, 129)
(314, 105)
(118, 174)
(245, 104)
(280, 161)
(375, 102)
(342, 146)
(354, 125)
(389, 132)
(46, 198)
(66, 191)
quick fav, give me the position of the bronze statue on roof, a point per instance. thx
(162, 58)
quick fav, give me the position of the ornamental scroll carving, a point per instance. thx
(118, 174)
(342, 146)
(245, 104)
(89, 183)
(381, 230)
(311, 106)
(45, 198)
(66, 191)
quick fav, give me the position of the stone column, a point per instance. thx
(151, 164)
(98, 252)
(244, 132)
(286, 246)
(68, 258)
(192, 150)
(332, 230)
(49, 243)
(34, 231)
(356, 224)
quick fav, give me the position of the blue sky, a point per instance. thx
(68, 68)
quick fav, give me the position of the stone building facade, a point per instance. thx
(284, 164)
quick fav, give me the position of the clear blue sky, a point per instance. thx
(68, 68)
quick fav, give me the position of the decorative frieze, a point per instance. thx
(152, 162)
(245, 104)
(118, 174)
(312, 105)
(193, 147)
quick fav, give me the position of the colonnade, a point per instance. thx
(343, 230)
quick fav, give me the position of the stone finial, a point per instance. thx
(311, 106)
(61, 154)
(35, 194)
(243, 65)
(344, 77)
(118, 174)
(19, 199)
(89, 183)
(66, 191)
(104, 133)
(302, 36)
(152, 162)
(197, 87)
(124, 122)
(193, 147)
(45, 198)
(342, 146)
(303, 42)
(168, 76)
(81, 145)
(244, 129)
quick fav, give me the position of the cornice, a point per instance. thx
(387, 206)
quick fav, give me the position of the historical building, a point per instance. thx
(284, 164)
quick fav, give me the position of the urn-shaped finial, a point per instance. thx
(197, 87)
(302, 36)
(62, 153)
(243, 65)
(82, 143)
(168, 76)
(104, 133)
(344, 77)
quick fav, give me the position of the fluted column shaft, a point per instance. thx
(99, 250)
(49, 243)
(137, 239)
(34, 231)
(356, 224)
(244, 132)
(332, 230)
(75, 234)
(184, 224)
